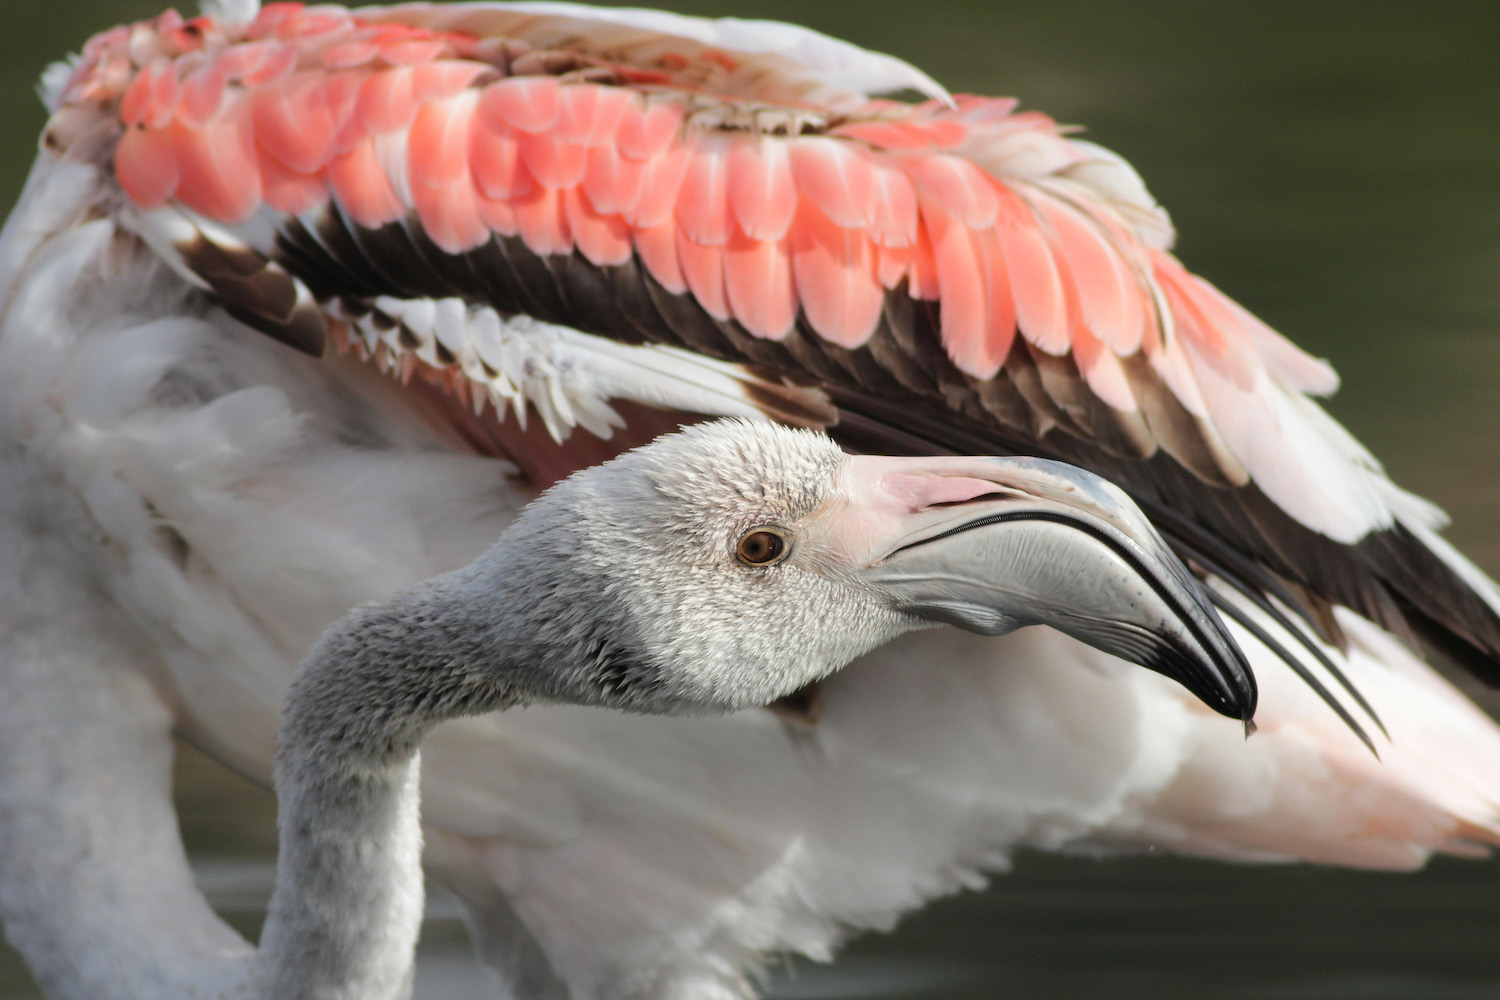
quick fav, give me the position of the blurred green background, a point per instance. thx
(1335, 166)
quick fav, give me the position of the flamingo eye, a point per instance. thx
(761, 547)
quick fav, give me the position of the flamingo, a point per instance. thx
(206, 465)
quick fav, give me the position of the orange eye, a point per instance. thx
(760, 547)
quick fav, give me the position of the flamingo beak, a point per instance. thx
(995, 544)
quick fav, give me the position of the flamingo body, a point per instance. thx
(611, 218)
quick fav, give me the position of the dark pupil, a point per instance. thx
(760, 547)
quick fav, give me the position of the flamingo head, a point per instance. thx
(731, 563)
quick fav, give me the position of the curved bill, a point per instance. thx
(994, 544)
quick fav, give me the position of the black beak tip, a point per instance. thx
(1225, 684)
(1246, 689)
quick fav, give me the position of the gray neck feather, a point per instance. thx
(347, 906)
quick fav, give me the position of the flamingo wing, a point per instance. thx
(717, 217)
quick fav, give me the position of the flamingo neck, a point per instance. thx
(347, 908)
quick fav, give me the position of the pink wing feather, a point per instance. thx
(1055, 263)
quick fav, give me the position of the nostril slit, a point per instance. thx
(997, 495)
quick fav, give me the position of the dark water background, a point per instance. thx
(1334, 165)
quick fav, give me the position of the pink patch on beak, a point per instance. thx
(923, 491)
(888, 500)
